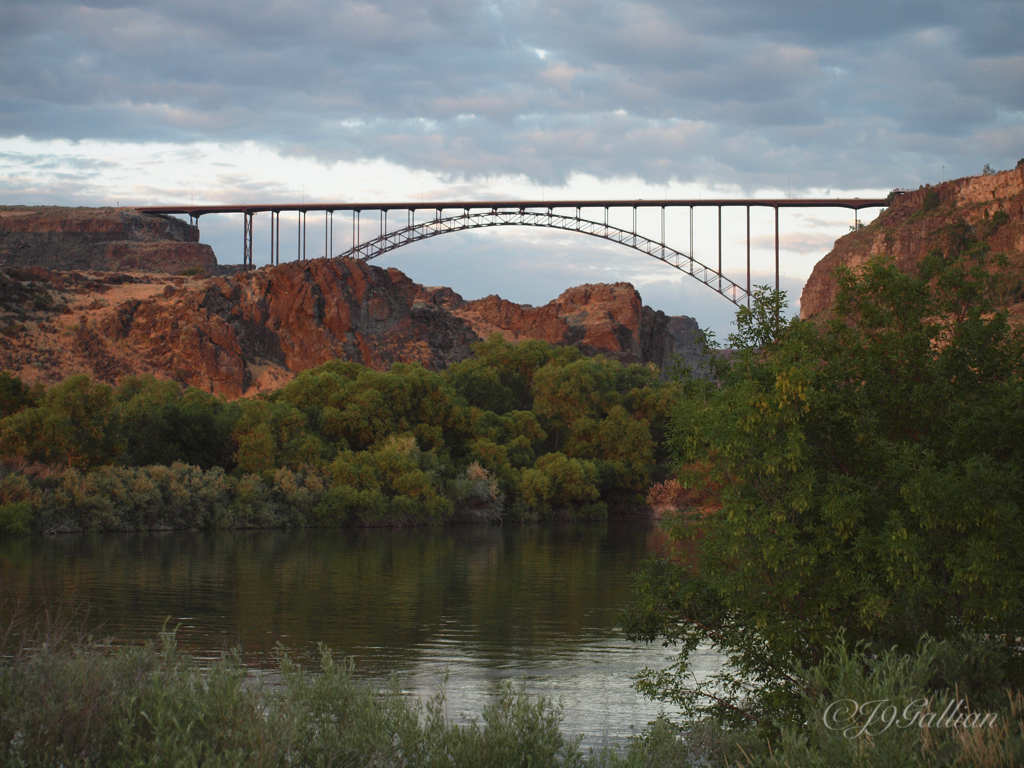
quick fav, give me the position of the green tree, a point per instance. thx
(272, 434)
(620, 445)
(514, 366)
(77, 423)
(869, 481)
(557, 483)
(14, 395)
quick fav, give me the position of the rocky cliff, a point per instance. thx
(599, 319)
(916, 222)
(254, 331)
(108, 239)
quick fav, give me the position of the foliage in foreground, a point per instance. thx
(84, 704)
(65, 700)
(865, 478)
(860, 709)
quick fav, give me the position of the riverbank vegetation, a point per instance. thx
(68, 701)
(860, 486)
(518, 432)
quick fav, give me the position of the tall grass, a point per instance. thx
(871, 710)
(67, 701)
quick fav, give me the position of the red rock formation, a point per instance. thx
(225, 334)
(606, 319)
(99, 239)
(286, 319)
(909, 229)
(255, 330)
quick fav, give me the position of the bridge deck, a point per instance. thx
(195, 211)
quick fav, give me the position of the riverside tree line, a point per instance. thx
(519, 432)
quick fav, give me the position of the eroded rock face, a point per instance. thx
(257, 329)
(108, 239)
(687, 343)
(254, 331)
(599, 319)
(911, 227)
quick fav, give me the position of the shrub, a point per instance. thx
(335, 505)
(76, 424)
(558, 484)
(14, 395)
(15, 517)
(901, 719)
(476, 496)
(252, 506)
(297, 494)
(999, 218)
(193, 498)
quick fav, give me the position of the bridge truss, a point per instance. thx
(444, 218)
(440, 225)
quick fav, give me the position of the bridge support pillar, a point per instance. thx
(776, 248)
(300, 245)
(690, 254)
(247, 240)
(719, 248)
(275, 238)
(748, 256)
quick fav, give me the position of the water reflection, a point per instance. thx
(532, 603)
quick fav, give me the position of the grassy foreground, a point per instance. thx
(68, 701)
(85, 704)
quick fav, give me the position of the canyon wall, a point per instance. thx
(253, 331)
(917, 222)
(107, 239)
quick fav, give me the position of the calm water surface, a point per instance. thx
(535, 604)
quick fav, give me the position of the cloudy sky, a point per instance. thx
(227, 101)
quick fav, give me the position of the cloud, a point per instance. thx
(352, 80)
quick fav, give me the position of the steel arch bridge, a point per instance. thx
(468, 220)
(447, 217)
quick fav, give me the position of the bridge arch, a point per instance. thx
(496, 217)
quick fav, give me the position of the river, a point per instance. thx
(534, 604)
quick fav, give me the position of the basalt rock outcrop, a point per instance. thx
(107, 239)
(599, 319)
(253, 331)
(917, 222)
